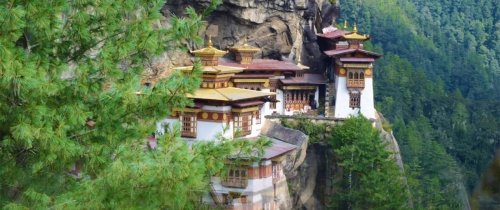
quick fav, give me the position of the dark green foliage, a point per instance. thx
(66, 63)
(316, 131)
(439, 84)
(370, 177)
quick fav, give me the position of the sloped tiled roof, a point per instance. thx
(263, 65)
(227, 94)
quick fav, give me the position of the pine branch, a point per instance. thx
(81, 52)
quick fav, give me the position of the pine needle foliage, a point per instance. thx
(370, 178)
(64, 64)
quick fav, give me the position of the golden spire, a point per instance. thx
(245, 47)
(300, 65)
(244, 53)
(355, 36)
(245, 41)
(345, 24)
(209, 55)
(209, 41)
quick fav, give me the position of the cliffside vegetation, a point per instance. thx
(369, 177)
(73, 128)
(439, 84)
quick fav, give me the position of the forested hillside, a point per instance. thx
(439, 85)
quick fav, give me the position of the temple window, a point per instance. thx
(354, 100)
(273, 104)
(257, 117)
(276, 171)
(355, 79)
(236, 177)
(243, 123)
(188, 122)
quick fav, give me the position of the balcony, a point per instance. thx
(235, 182)
(356, 83)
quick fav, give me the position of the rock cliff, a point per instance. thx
(283, 29)
(309, 170)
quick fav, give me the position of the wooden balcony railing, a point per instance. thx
(235, 182)
(355, 83)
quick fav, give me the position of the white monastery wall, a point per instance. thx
(342, 109)
(316, 96)
(281, 98)
(367, 104)
(165, 123)
(207, 131)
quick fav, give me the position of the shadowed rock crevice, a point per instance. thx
(283, 29)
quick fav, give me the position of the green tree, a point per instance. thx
(370, 177)
(70, 95)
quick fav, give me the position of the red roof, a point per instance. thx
(307, 79)
(334, 34)
(278, 148)
(337, 52)
(252, 76)
(359, 60)
(263, 65)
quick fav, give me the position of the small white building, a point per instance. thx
(254, 185)
(297, 90)
(353, 73)
(221, 107)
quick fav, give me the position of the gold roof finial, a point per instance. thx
(354, 35)
(209, 41)
(245, 41)
(345, 24)
(300, 65)
(209, 51)
(245, 47)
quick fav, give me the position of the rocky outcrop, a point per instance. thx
(276, 131)
(388, 137)
(487, 194)
(309, 170)
(283, 29)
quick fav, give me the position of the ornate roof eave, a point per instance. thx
(302, 66)
(220, 69)
(355, 36)
(209, 51)
(245, 48)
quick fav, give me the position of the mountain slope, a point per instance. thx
(439, 84)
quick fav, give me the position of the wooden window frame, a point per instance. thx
(188, 129)
(243, 122)
(276, 167)
(355, 78)
(354, 100)
(236, 177)
(258, 119)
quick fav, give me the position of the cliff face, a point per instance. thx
(283, 29)
(309, 171)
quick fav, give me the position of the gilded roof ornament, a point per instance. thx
(355, 36)
(209, 51)
(300, 65)
(345, 24)
(245, 47)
